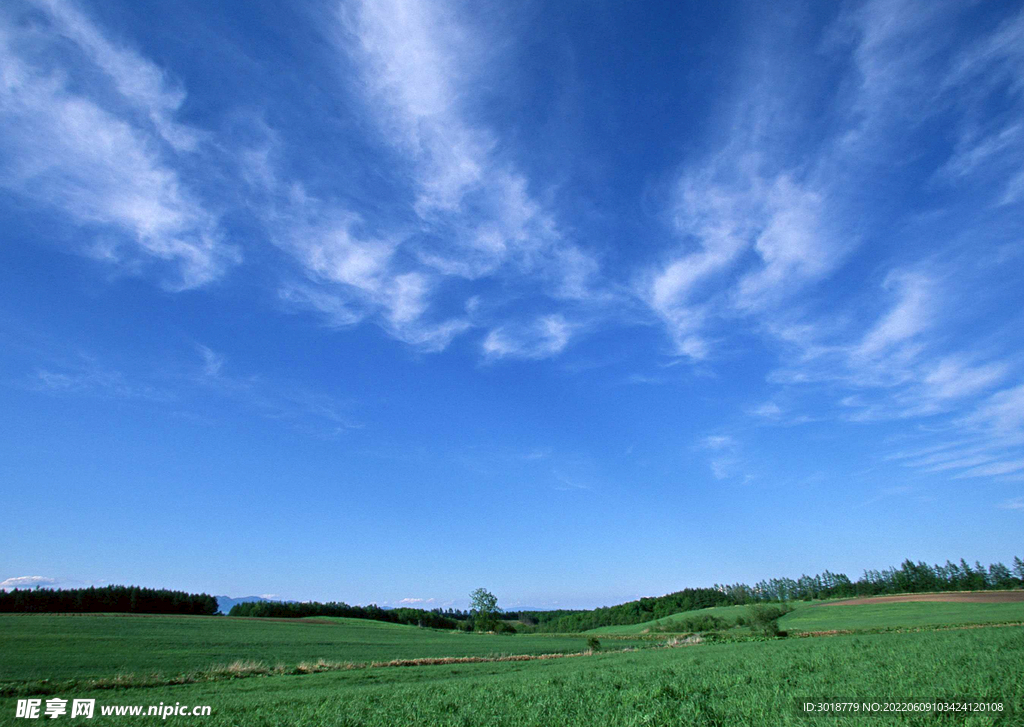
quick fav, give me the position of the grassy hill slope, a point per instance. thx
(754, 683)
(823, 616)
(898, 615)
(672, 623)
(47, 646)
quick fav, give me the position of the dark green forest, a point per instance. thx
(107, 599)
(273, 609)
(910, 577)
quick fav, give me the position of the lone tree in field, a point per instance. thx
(484, 607)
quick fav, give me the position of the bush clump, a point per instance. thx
(764, 619)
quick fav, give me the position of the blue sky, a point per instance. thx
(385, 301)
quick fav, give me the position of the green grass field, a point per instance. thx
(860, 617)
(724, 683)
(729, 613)
(48, 646)
(899, 615)
(750, 683)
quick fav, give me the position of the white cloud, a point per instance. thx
(431, 337)
(752, 239)
(212, 361)
(997, 468)
(1003, 412)
(911, 67)
(96, 165)
(794, 246)
(336, 309)
(421, 68)
(913, 312)
(768, 410)
(567, 483)
(1016, 503)
(88, 377)
(334, 254)
(544, 337)
(718, 441)
(986, 441)
(316, 412)
(415, 602)
(953, 377)
(351, 274)
(993, 68)
(717, 217)
(138, 80)
(724, 460)
(955, 464)
(894, 44)
(27, 582)
(976, 150)
(721, 468)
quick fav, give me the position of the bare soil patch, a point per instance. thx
(952, 597)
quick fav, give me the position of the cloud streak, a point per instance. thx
(27, 582)
(93, 161)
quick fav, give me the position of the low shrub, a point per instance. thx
(764, 619)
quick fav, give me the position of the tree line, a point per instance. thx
(106, 599)
(438, 619)
(909, 577)
(634, 612)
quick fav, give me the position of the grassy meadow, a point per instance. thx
(870, 616)
(47, 646)
(747, 683)
(635, 679)
(823, 616)
(669, 624)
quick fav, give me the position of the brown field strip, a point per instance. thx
(952, 597)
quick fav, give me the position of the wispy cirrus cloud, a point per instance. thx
(891, 338)
(86, 376)
(420, 66)
(346, 272)
(766, 220)
(753, 229)
(990, 69)
(306, 409)
(138, 81)
(767, 410)
(195, 386)
(725, 458)
(102, 139)
(475, 214)
(1016, 503)
(898, 364)
(469, 216)
(543, 337)
(87, 154)
(718, 441)
(213, 362)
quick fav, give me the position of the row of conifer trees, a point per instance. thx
(106, 599)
